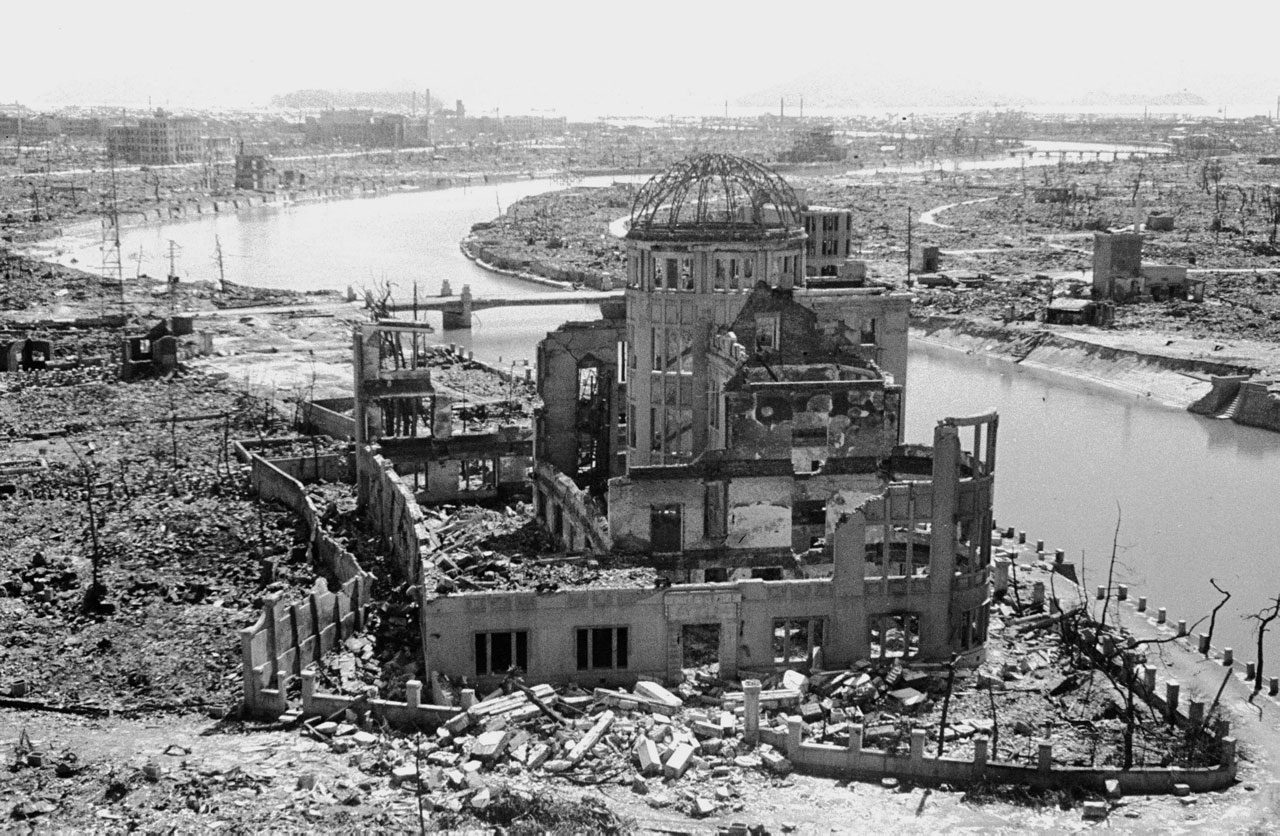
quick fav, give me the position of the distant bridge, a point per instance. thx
(456, 311)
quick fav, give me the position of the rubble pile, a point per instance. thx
(487, 549)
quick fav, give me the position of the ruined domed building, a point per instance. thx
(737, 427)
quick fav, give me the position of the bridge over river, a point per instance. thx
(456, 310)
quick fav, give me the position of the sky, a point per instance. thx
(656, 57)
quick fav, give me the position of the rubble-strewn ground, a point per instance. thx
(184, 553)
(510, 763)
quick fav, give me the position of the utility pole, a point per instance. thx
(222, 276)
(908, 246)
(173, 276)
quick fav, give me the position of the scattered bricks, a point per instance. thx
(1161, 615)
(811, 712)
(704, 729)
(647, 752)
(468, 698)
(537, 756)
(37, 759)
(1142, 603)
(1228, 657)
(702, 807)
(558, 765)
(151, 771)
(1113, 789)
(678, 762)
(1181, 790)
(728, 722)
(364, 738)
(307, 781)
(481, 799)
(775, 762)
(401, 775)
(795, 681)
(654, 692)
(490, 745)
(1203, 644)
(1095, 810)
(638, 786)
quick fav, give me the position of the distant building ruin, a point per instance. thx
(1120, 274)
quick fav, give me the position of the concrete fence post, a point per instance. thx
(1182, 627)
(1149, 678)
(1102, 592)
(1142, 603)
(1161, 615)
(1171, 689)
(1059, 556)
(795, 729)
(413, 694)
(980, 750)
(1274, 686)
(1046, 756)
(1204, 644)
(1222, 729)
(1195, 712)
(468, 698)
(917, 744)
(1227, 752)
(855, 739)
(751, 711)
(1122, 593)
(1250, 670)
(1039, 546)
(1022, 537)
(1037, 593)
(308, 688)
(1228, 657)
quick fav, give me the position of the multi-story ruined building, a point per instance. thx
(738, 429)
(157, 140)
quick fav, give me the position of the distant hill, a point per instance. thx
(387, 100)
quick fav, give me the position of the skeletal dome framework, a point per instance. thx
(718, 193)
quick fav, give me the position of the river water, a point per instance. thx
(1199, 498)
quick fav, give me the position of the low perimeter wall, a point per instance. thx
(921, 767)
(289, 637)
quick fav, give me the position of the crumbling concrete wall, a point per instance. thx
(390, 506)
(569, 513)
(328, 417)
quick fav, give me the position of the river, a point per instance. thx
(1199, 498)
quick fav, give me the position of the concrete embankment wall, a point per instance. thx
(1175, 381)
